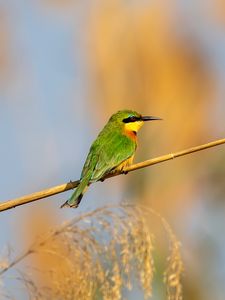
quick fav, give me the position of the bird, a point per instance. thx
(112, 151)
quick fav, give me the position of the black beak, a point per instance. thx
(149, 118)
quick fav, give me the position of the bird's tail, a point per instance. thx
(77, 195)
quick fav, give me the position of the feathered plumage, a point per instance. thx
(113, 148)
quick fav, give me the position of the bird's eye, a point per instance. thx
(131, 119)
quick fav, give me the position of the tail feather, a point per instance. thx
(76, 197)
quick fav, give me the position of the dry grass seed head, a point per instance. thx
(101, 249)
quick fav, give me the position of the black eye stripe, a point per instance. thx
(131, 119)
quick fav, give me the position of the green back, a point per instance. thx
(110, 149)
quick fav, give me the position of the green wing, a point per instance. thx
(109, 150)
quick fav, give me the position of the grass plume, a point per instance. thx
(103, 253)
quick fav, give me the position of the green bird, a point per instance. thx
(113, 150)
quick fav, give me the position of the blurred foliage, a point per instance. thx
(139, 59)
(5, 49)
(141, 55)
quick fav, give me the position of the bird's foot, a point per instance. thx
(71, 182)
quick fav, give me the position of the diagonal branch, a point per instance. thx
(68, 186)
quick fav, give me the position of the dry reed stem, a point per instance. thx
(104, 250)
(67, 186)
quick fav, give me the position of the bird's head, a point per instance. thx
(131, 121)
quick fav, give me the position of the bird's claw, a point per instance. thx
(71, 182)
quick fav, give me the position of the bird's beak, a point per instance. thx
(149, 118)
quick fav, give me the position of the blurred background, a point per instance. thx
(66, 66)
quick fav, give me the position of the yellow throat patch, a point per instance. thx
(133, 126)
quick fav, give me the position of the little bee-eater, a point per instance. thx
(113, 150)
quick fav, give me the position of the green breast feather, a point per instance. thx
(109, 150)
